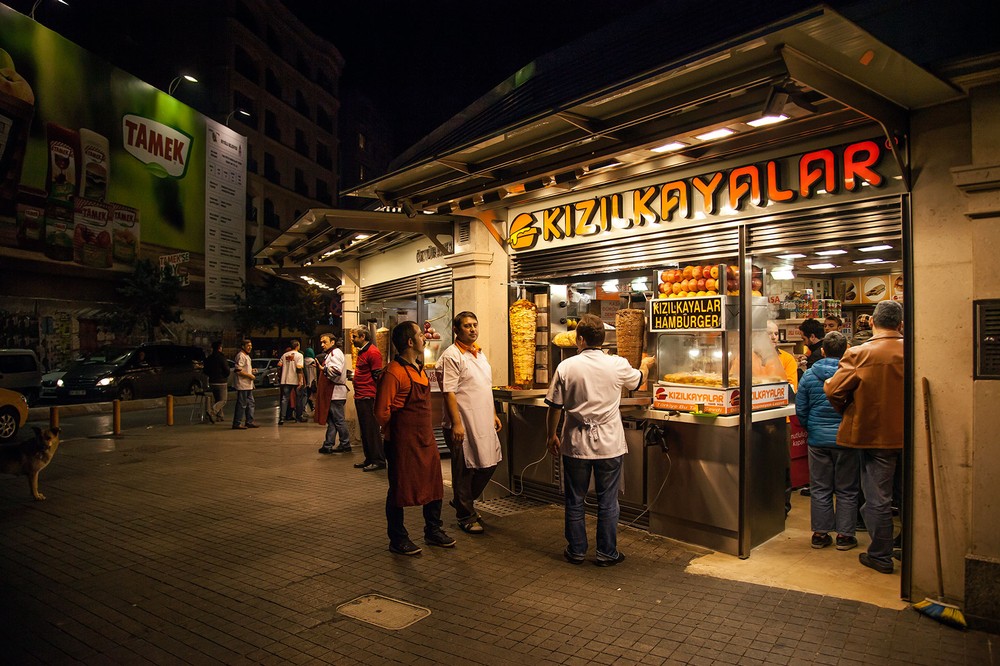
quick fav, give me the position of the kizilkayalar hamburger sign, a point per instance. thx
(97, 168)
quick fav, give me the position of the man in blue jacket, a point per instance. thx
(833, 470)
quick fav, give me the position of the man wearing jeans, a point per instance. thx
(868, 390)
(244, 388)
(331, 396)
(587, 388)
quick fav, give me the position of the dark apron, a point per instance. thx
(414, 464)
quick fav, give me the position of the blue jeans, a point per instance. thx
(878, 468)
(286, 391)
(834, 472)
(576, 480)
(244, 405)
(336, 424)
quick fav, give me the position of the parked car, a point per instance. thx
(265, 372)
(13, 413)
(20, 371)
(147, 371)
(48, 388)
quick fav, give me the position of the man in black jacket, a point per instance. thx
(217, 369)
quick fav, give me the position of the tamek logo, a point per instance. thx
(164, 150)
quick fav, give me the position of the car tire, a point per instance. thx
(126, 393)
(9, 424)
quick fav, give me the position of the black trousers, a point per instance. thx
(467, 483)
(371, 434)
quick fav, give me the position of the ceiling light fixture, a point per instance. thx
(791, 256)
(868, 261)
(783, 273)
(874, 248)
(767, 120)
(720, 133)
(820, 267)
(830, 253)
(668, 147)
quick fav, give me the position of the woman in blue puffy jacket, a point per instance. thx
(833, 470)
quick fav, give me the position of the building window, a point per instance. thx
(247, 18)
(323, 157)
(301, 105)
(271, 169)
(302, 64)
(271, 84)
(324, 82)
(361, 141)
(323, 120)
(271, 217)
(271, 128)
(246, 65)
(300, 183)
(241, 101)
(301, 145)
(274, 43)
(323, 192)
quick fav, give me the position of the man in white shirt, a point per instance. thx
(470, 422)
(587, 389)
(292, 379)
(244, 388)
(331, 397)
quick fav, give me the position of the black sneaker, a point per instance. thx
(361, 464)
(873, 564)
(342, 449)
(374, 467)
(437, 537)
(405, 547)
(571, 558)
(618, 559)
(846, 542)
(821, 540)
(281, 423)
(326, 450)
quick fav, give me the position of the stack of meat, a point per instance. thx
(523, 319)
(382, 342)
(629, 325)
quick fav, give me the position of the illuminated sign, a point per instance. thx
(777, 182)
(686, 314)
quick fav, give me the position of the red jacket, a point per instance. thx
(369, 359)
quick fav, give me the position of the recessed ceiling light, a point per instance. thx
(830, 253)
(819, 267)
(362, 236)
(767, 120)
(668, 147)
(868, 261)
(875, 248)
(791, 256)
(715, 134)
(783, 273)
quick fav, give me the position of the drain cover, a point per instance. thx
(383, 611)
(508, 506)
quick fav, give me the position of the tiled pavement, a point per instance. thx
(200, 544)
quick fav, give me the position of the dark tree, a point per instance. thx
(148, 299)
(279, 304)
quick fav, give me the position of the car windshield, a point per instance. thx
(260, 363)
(104, 357)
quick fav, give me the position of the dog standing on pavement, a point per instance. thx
(30, 457)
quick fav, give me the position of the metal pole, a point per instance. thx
(53, 417)
(116, 417)
(170, 410)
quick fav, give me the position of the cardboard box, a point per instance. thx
(685, 397)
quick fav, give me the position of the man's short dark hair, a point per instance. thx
(456, 322)
(840, 322)
(295, 343)
(888, 314)
(591, 329)
(811, 327)
(362, 331)
(217, 345)
(834, 344)
(402, 333)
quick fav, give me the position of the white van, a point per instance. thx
(20, 371)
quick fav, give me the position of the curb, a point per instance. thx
(86, 408)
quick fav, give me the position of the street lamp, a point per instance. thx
(242, 112)
(177, 81)
(38, 2)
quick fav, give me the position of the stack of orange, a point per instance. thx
(691, 281)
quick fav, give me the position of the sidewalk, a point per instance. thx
(201, 544)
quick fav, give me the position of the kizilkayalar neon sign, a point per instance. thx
(827, 171)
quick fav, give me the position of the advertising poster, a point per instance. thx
(99, 169)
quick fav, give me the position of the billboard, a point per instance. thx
(99, 169)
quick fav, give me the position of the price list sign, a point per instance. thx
(673, 315)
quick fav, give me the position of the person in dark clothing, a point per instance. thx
(217, 369)
(812, 334)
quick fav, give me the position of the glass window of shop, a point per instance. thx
(433, 312)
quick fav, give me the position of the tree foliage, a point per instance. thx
(279, 304)
(149, 299)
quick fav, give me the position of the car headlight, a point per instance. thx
(107, 381)
(59, 383)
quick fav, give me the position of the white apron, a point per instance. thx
(482, 445)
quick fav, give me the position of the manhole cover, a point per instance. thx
(383, 611)
(508, 506)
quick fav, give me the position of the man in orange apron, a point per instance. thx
(403, 409)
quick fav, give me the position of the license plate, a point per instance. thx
(77, 392)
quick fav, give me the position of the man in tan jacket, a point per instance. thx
(868, 390)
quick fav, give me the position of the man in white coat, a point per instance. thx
(470, 423)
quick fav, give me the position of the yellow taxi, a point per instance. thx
(13, 413)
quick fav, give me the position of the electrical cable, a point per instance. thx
(526, 467)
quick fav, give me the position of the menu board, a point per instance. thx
(896, 286)
(847, 291)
